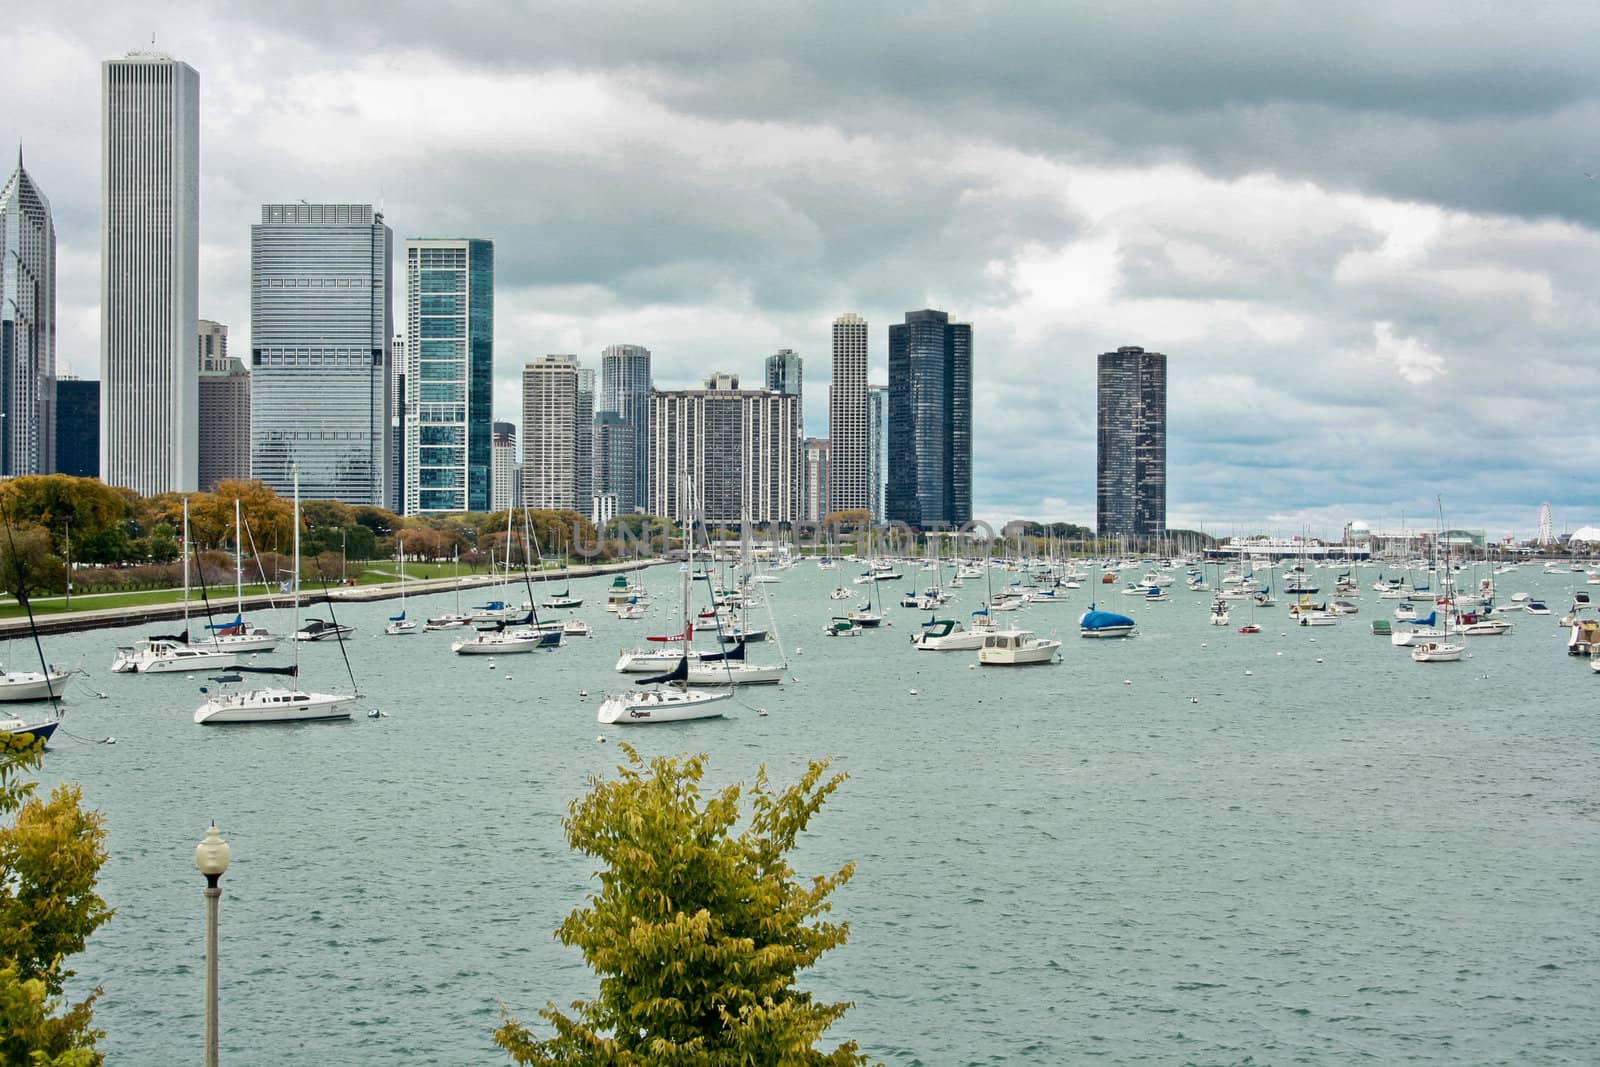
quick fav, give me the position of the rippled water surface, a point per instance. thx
(1194, 846)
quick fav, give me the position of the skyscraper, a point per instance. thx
(149, 273)
(784, 372)
(930, 421)
(877, 448)
(504, 467)
(615, 453)
(847, 416)
(1131, 455)
(742, 448)
(77, 428)
(27, 328)
(583, 422)
(397, 423)
(321, 318)
(224, 409)
(449, 373)
(625, 389)
(814, 502)
(550, 429)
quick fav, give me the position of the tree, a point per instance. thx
(27, 566)
(696, 934)
(50, 857)
(848, 520)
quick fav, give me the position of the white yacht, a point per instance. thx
(1015, 648)
(946, 635)
(168, 655)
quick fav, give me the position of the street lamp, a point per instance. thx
(211, 856)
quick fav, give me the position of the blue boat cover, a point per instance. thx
(1099, 620)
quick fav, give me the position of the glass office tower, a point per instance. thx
(449, 374)
(930, 421)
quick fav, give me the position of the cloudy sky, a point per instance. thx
(1364, 234)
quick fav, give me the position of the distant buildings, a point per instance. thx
(550, 433)
(814, 505)
(27, 328)
(397, 423)
(149, 273)
(583, 445)
(625, 389)
(321, 316)
(224, 409)
(930, 422)
(504, 469)
(78, 427)
(784, 372)
(877, 448)
(449, 374)
(847, 416)
(1131, 458)
(740, 450)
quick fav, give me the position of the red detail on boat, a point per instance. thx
(1250, 628)
(688, 634)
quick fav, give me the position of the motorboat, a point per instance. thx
(1318, 618)
(1535, 607)
(1094, 623)
(947, 635)
(841, 626)
(1437, 652)
(323, 630)
(841, 593)
(1220, 615)
(1017, 648)
(169, 655)
(576, 628)
(1344, 607)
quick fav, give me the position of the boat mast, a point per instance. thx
(238, 559)
(185, 548)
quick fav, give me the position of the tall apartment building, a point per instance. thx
(814, 507)
(78, 427)
(930, 421)
(321, 316)
(149, 273)
(847, 416)
(740, 450)
(449, 374)
(27, 328)
(550, 430)
(625, 389)
(1131, 444)
(583, 457)
(397, 423)
(224, 409)
(615, 453)
(877, 449)
(785, 372)
(504, 468)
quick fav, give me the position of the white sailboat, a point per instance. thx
(674, 700)
(399, 625)
(172, 653)
(239, 635)
(449, 620)
(271, 704)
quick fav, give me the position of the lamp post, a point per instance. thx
(211, 856)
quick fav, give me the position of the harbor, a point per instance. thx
(1189, 845)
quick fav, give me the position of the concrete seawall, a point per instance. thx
(222, 607)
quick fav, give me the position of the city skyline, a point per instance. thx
(1095, 204)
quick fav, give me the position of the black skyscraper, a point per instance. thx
(930, 421)
(1131, 466)
(78, 428)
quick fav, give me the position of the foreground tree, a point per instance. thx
(697, 933)
(50, 856)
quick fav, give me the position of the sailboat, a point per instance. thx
(674, 700)
(238, 635)
(449, 620)
(399, 625)
(46, 683)
(1441, 649)
(169, 653)
(277, 703)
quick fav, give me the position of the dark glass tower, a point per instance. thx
(930, 421)
(1131, 463)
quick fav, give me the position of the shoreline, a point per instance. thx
(107, 618)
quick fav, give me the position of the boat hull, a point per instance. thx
(18, 686)
(650, 707)
(25, 731)
(273, 706)
(714, 673)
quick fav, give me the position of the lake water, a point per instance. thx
(1190, 847)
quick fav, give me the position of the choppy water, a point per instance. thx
(1335, 855)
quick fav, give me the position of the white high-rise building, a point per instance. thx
(550, 434)
(27, 328)
(504, 468)
(877, 449)
(847, 417)
(741, 449)
(149, 273)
